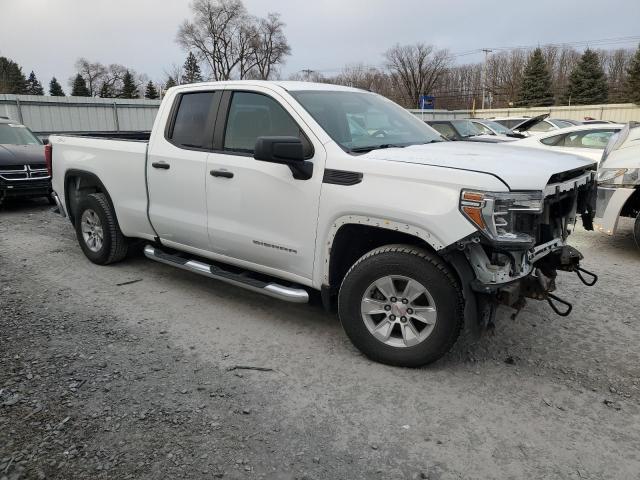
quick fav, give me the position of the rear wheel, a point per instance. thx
(98, 232)
(401, 306)
(636, 230)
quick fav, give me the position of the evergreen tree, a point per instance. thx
(129, 87)
(169, 83)
(191, 70)
(79, 88)
(587, 82)
(633, 79)
(12, 80)
(106, 91)
(34, 87)
(150, 92)
(55, 89)
(535, 90)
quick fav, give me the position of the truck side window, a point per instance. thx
(190, 124)
(253, 115)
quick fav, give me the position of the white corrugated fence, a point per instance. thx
(79, 114)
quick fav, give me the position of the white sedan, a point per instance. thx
(586, 140)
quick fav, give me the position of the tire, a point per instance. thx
(636, 230)
(442, 303)
(113, 246)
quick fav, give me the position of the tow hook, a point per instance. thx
(550, 297)
(579, 271)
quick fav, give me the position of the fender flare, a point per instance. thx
(375, 222)
(67, 186)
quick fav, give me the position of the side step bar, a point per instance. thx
(289, 294)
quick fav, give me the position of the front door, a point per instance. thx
(257, 211)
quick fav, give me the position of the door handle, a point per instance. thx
(221, 173)
(161, 165)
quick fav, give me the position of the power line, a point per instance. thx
(579, 43)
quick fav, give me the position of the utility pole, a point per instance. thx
(486, 51)
(307, 72)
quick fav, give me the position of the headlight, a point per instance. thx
(504, 217)
(619, 177)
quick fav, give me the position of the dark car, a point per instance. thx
(23, 171)
(463, 130)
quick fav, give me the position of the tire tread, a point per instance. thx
(119, 244)
(425, 256)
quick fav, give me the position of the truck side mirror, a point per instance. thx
(279, 149)
(285, 150)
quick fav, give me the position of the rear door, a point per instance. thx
(258, 213)
(177, 170)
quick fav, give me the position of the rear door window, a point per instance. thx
(192, 125)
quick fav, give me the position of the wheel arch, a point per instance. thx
(79, 183)
(631, 207)
(350, 237)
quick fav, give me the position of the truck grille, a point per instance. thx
(571, 174)
(23, 172)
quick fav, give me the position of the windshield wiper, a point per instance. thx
(376, 147)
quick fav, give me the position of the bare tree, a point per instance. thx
(174, 74)
(415, 69)
(92, 72)
(215, 34)
(615, 63)
(561, 68)
(231, 42)
(270, 46)
(504, 76)
(459, 87)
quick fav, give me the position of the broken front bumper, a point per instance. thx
(609, 206)
(535, 278)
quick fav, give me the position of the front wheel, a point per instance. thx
(402, 306)
(636, 230)
(98, 232)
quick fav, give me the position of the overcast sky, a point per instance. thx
(49, 35)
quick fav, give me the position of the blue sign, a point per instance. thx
(427, 102)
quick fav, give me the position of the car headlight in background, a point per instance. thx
(504, 217)
(619, 177)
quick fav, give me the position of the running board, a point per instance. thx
(289, 294)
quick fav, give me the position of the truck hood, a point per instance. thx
(519, 168)
(21, 154)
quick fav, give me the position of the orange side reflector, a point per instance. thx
(475, 214)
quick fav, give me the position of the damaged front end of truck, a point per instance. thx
(521, 244)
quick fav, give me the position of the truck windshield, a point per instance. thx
(360, 121)
(16, 134)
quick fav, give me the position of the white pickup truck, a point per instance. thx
(290, 189)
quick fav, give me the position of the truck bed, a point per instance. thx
(119, 164)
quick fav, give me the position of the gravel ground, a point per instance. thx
(128, 371)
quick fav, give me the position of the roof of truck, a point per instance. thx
(290, 86)
(298, 86)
